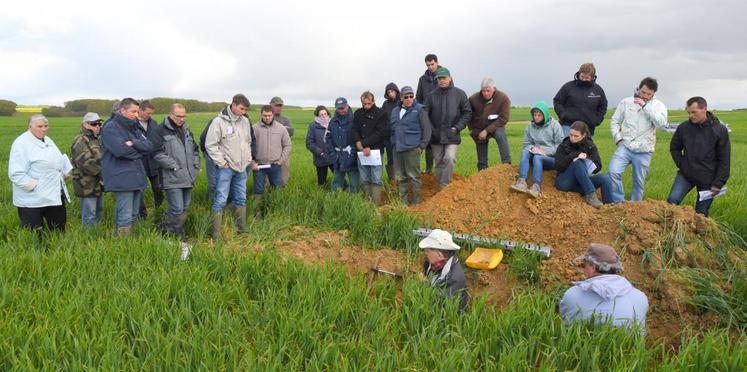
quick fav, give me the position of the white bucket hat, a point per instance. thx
(439, 239)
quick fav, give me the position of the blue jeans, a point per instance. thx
(681, 187)
(90, 210)
(273, 173)
(641, 162)
(211, 171)
(229, 182)
(127, 207)
(576, 178)
(371, 174)
(178, 200)
(338, 180)
(538, 162)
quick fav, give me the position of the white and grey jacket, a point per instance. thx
(636, 126)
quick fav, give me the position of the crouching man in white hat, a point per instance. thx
(604, 296)
(442, 266)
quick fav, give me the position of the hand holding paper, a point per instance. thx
(708, 194)
(373, 159)
(66, 165)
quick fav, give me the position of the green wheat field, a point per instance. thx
(89, 300)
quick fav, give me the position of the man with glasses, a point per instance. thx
(277, 110)
(409, 137)
(177, 155)
(87, 182)
(447, 112)
(491, 110)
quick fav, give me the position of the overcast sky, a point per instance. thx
(310, 52)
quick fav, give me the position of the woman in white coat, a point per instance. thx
(37, 170)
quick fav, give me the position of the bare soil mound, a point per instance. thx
(649, 235)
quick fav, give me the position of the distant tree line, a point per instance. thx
(103, 107)
(7, 108)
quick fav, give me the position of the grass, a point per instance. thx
(86, 305)
(86, 299)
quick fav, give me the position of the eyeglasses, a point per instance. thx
(408, 97)
(180, 116)
(94, 123)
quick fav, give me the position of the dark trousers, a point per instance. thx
(321, 174)
(157, 188)
(428, 159)
(33, 218)
(482, 148)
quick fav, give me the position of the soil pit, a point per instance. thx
(483, 204)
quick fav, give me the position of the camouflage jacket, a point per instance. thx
(86, 154)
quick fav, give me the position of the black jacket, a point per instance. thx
(568, 151)
(426, 84)
(453, 284)
(448, 111)
(151, 168)
(577, 102)
(390, 104)
(702, 152)
(370, 127)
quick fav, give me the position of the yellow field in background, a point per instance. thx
(29, 109)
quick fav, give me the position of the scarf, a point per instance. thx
(323, 122)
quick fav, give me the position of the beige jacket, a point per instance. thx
(229, 140)
(273, 143)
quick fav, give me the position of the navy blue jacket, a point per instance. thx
(409, 132)
(340, 144)
(315, 144)
(122, 165)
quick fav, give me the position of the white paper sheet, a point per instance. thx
(706, 194)
(373, 159)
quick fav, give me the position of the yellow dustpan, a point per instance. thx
(484, 258)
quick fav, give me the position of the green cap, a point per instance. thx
(276, 101)
(442, 72)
